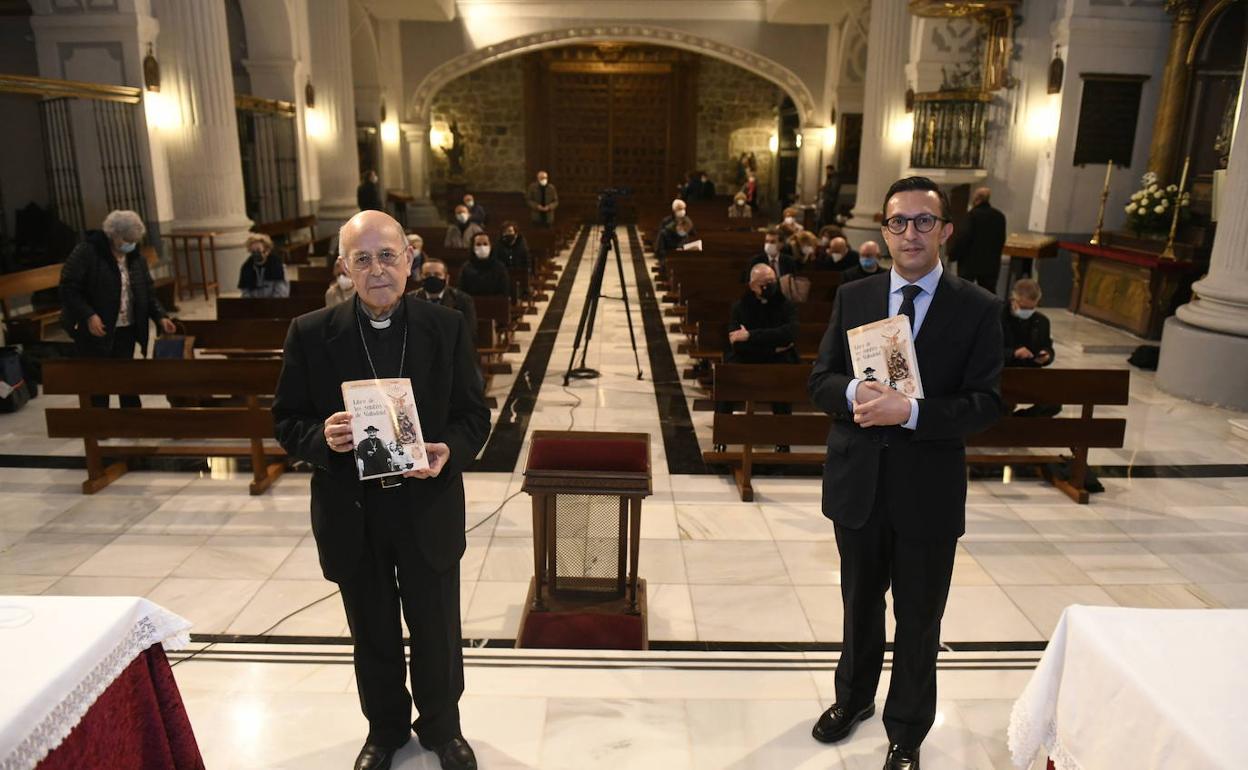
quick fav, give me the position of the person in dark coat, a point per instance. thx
(829, 196)
(372, 454)
(435, 287)
(708, 187)
(838, 256)
(1028, 341)
(483, 275)
(512, 250)
(868, 263)
(107, 297)
(773, 255)
(674, 237)
(368, 194)
(543, 199)
(262, 275)
(476, 212)
(977, 245)
(392, 545)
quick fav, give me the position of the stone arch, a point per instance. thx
(365, 64)
(422, 97)
(270, 29)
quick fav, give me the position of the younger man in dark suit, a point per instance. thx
(895, 479)
(392, 545)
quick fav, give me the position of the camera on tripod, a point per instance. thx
(607, 204)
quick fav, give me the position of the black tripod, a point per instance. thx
(609, 242)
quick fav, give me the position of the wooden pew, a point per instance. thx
(267, 307)
(29, 326)
(295, 238)
(321, 274)
(251, 423)
(250, 337)
(758, 385)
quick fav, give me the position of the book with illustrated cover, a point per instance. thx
(884, 352)
(385, 426)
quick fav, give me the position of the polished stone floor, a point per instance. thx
(1170, 530)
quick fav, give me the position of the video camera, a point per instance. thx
(606, 204)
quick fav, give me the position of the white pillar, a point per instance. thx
(334, 115)
(205, 168)
(809, 174)
(421, 211)
(1204, 348)
(885, 143)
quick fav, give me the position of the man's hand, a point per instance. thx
(166, 325)
(884, 406)
(338, 432)
(438, 454)
(738, 335)
(1043, 357)
(95, 325)
(1023, 353)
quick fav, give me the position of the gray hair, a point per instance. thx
(123, 224)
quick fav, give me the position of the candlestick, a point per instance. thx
(1100, 216)
(1168, 252)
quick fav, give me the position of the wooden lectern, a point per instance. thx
(587, 489)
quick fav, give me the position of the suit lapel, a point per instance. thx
(343, 341)
(420, 341)
(939, 313)
(879, 298)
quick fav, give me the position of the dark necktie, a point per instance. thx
(908, 293)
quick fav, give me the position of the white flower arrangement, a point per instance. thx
(1151, 208)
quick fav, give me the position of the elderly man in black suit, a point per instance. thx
(392, 545)
(977, 246)
(895, 480)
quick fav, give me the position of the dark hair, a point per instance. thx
(432, 261)
(508, 223)
(484, 235)
(920, 183)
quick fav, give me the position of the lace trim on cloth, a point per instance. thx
(158, 628)
(1027, 737)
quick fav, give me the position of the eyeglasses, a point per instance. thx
(362, 262)
(923, 223)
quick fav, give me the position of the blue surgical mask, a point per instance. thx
(126, 248)
(1024, 313)
(868, 263)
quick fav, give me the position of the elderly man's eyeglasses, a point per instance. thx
(923, 223)
(363, 261)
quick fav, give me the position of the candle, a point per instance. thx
(1109, 167)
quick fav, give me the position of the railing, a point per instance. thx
(950, 129)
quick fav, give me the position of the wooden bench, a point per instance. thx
(294, 250)
(238, 338)
(252, 422)
(267, 307)
(29, 326)
(762, 384)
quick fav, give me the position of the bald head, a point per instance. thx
(370, 221)
(982, 195)
(869, 249)
(838, 245)
(760, 272)
(375, 251)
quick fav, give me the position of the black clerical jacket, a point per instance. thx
(924, 478)
(322, 351)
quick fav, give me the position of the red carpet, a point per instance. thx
(582, 631)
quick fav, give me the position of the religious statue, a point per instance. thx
(455, 153)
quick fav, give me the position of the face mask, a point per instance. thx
(808, 250)
(344, 282)
(461, 218)
(788, 220)
(434, 285)
(772, 249)
(837, 257)
(257, 255)
(770, 291)
(868, 263)
(509, 237)
(1024, 313)
(824, 242)
(740, 201)
(481, 251)
(682, 233)
(542, 182)
(126, 248)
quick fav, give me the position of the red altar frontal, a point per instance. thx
(1132, 290)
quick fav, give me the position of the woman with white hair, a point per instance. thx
(107, 298)
(262, 275)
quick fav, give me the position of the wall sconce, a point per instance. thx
(909, 100)
(773, 144)
(309, 96)
(797, 139)
(829, 138)
(1057, 69)
(390, 133)
(151, 71)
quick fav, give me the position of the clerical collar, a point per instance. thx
(377, 323)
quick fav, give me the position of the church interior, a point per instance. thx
(650, 577)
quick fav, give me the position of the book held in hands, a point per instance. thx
(385, 426)
(883, 351)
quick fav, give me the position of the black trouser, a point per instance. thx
(919, 571)
(122, 347)
(394, 577)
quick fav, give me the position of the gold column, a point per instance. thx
(1168, 125)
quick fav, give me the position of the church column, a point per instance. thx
(885, 142)
(332, 120)
(1168, 124)
(1204, 347)
(205, 168)
(420, 211)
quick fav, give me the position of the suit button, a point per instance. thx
(358, 504)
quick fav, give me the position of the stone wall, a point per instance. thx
(737, 112)
(489, 105)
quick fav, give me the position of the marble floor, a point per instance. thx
(1170, 530)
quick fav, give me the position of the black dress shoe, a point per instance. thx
(901, 758)
(455, 754)
(374, 757)
(836, 723)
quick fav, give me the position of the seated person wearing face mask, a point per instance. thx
(790, 218)
(773, 255)
(483, 275)
(342, 288)
(826, 234)
(805, 248)
(1028, 341)
(418, 253)
(459, 234)
(511, 249)
(476, 212)
(740, 209)
(678, 210)
(672, 237)
(868, 263)
(435, 286)
(839, 256)
(260, 275)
